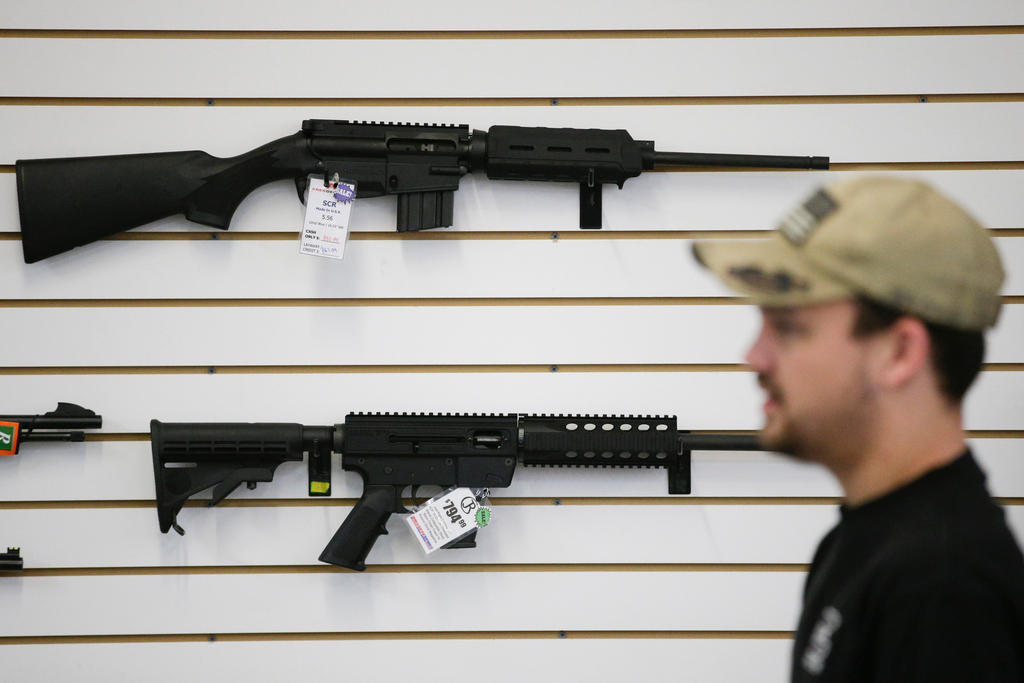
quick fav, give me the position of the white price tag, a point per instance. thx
(447, 517)
(328, 207)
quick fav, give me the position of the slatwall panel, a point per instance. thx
(585, 572)
(504, 660)
(464, 15)
(755, 66)
(182, 335)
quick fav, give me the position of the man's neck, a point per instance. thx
(901, 453)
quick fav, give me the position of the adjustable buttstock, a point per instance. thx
(192, 457)
(366, 522)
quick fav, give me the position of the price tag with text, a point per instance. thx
(446, 518)
(328, 207)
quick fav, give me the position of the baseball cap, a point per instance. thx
(896, 241)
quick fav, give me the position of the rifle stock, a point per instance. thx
(65, 203)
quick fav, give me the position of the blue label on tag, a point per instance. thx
(344, 193)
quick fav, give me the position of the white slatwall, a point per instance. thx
(465, 15)
(705, 587)
(384, 661)
(529, 68)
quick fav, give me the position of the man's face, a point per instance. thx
(819, 397)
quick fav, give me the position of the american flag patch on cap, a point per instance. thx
(798, 225)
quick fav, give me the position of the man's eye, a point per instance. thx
(786, 327)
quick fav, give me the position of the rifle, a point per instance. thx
(419, 163)
(62, 424)
(11, 560)
(394, 451)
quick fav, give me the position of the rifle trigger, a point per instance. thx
(300, 185)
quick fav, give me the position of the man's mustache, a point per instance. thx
(769, 387)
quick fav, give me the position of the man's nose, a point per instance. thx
(759, 356)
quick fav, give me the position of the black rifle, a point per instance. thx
(96, 197)
(394, 451)
(62, 424)
(11, 560)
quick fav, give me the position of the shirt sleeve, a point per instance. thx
(948, 630)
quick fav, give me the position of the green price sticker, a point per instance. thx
(8, 438)
(483, 516)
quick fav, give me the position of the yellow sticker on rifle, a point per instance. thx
(319, 487)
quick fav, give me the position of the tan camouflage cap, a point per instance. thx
(896, 241)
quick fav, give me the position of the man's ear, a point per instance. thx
(905, 352)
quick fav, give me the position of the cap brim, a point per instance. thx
(770, 271)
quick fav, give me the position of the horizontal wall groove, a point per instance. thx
(382, 369)
(552, 367)
(368, 302)
(546, 34)
(923, 166)
(602, 101)
(971, 433)
(392, 635)
(410, 569)
(482, 236)
(201, 235)
(835, 166)
(497, 501)
(384, 302)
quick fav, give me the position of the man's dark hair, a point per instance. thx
(956, 354)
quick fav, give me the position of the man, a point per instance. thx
(874, 294)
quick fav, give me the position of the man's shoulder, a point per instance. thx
(941, 544)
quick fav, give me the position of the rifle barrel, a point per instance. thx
(67, 416)
(735, 160)
(53, 436)
(720, 442)
(55, 421)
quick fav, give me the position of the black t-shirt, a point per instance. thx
(923, 584)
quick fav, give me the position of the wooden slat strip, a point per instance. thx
(842, 166)
(365, 369)
(304, 370)
(497, 501)
(971, 433)
(410, 569)
(557, 34)
(606, 101)
(339, 302)
(394, 635)
(367, 302)
(402, 369)
(464, 235)
(349, 502)
(205, 235)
